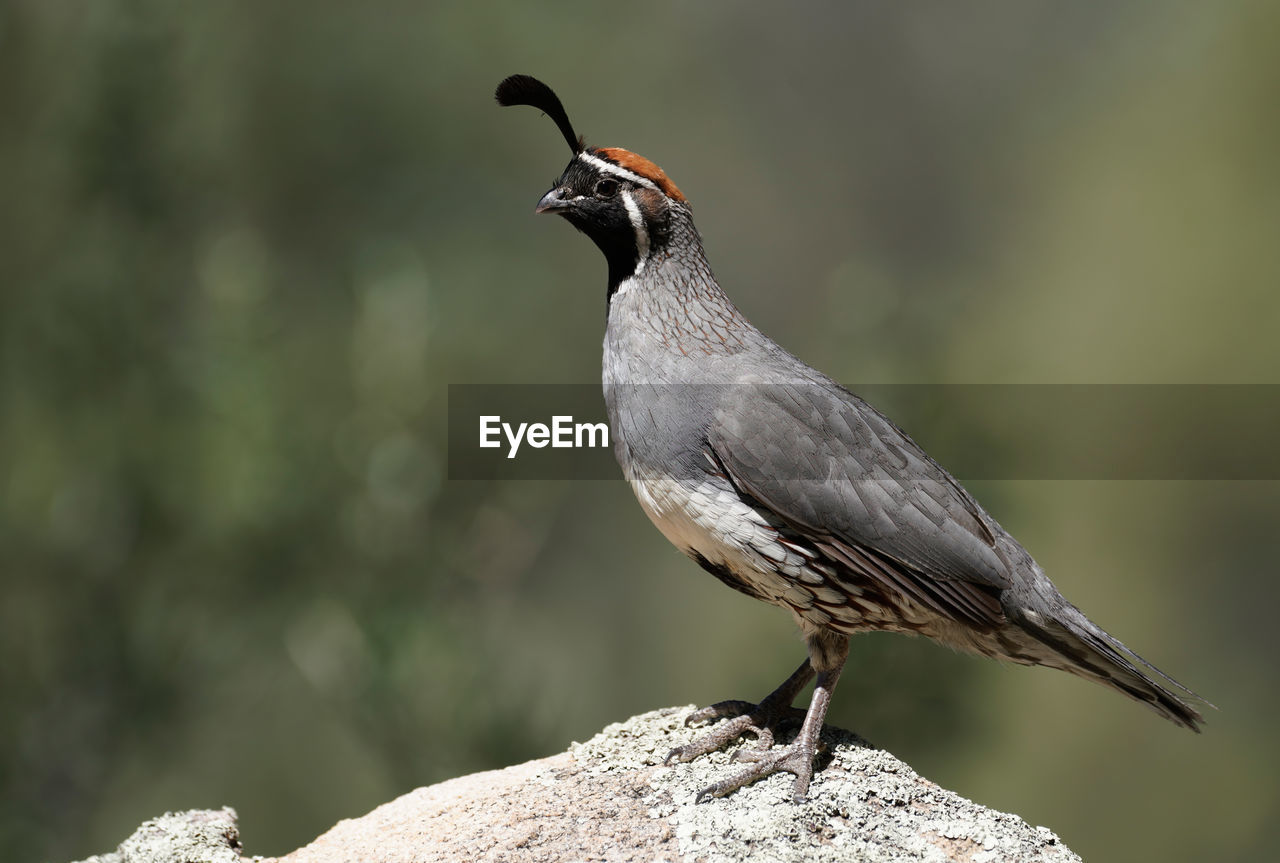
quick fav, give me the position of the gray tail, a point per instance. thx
(1095, 655)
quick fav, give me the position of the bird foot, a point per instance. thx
(763, 720)
(760, 720)
(744, 718)
(796, 759)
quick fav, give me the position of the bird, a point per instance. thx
(788, 487)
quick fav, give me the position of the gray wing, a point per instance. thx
(837, 471)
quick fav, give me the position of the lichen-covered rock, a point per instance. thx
(864, 805)
(195, 836)
(612, 799)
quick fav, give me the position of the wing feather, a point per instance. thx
(840, 473)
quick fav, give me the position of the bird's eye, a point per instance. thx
(607, 188)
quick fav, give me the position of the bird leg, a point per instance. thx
(827, 654)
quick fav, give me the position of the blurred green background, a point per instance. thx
(245, 247)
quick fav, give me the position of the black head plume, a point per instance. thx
(527, 90)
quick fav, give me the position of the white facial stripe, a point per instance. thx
(642, 233)
(610, 168)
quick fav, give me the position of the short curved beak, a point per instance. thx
(552, 202)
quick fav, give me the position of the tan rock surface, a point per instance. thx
(611, 799)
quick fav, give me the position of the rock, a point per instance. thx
(195, 836)
(611, 799)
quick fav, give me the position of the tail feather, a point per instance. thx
(1096, 655)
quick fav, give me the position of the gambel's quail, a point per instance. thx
(786, 486)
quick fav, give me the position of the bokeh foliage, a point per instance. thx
(245, 247)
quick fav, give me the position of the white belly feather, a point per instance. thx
(710, 520)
